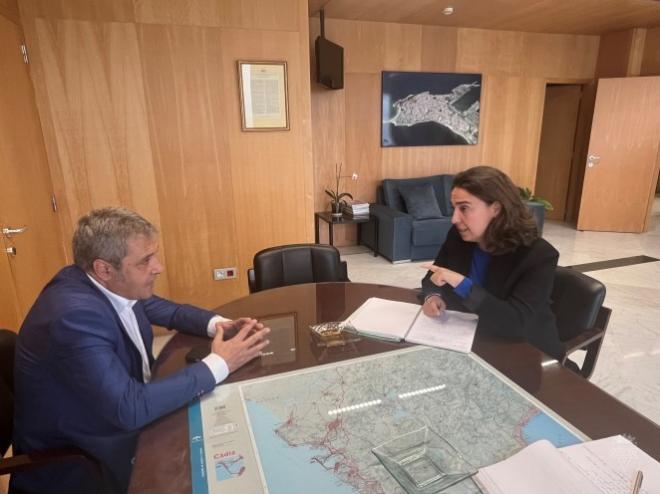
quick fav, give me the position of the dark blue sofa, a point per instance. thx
(403, 238)
(400, 236)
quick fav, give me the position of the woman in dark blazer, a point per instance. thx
(494, 264)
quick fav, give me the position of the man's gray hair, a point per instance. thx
(104, 233)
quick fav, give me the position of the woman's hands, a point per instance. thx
(441, 275)
(433, 306)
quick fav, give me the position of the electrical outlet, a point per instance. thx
(224, 273)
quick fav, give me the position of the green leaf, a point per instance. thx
(344, 194)
(332, 195)
(546, 204)
(527, 195)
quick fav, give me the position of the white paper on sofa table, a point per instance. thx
(452, 330)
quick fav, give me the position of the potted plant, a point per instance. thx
(336, 197)
(528, 196)
(537, 205)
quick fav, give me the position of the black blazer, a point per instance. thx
(514, 302)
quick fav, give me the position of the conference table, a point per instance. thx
(163, 458)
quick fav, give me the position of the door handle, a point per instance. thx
(593, 159)
(13, 231)
(11, 251)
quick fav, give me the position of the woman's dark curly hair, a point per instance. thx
(514, 225)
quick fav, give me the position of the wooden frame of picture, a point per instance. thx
(264, 95)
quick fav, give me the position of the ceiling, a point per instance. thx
(540, 16)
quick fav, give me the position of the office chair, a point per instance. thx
(36, 459)
(577, 302)
(295, 264)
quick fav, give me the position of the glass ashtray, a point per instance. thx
(422, 462)
(334, 333)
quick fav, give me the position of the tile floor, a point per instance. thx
(629, 364)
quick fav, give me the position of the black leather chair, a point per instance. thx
(577, 301)
(37, 459)
(295, 264)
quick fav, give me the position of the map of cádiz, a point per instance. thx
(314, 429)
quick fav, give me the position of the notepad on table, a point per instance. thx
(398, 321)
(604, 466)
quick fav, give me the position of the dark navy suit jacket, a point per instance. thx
(78, 381)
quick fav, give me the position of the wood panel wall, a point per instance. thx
(621, 53)
(516, 67)
(140, 107)
(9, 9)
(651, 57)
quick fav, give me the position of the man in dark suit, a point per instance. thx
(83, 357)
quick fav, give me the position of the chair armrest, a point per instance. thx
(582, 340)
(590, 340)
(383, 212)
(38, 459)
(343, 266)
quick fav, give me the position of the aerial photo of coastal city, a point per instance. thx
(426, 109)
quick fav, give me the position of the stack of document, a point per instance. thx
(355, 208)
(398, 321)
(604, 466)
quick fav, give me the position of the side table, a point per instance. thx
(343, 220)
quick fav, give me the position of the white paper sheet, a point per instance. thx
(398, 321)
(382, 318)
(452, 330)
(612, 464)
(604, 466)
(539, 468)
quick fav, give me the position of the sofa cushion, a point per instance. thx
(430, 232)
(391, 196)
(420, 201)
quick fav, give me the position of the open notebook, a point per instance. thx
(604, 466)
(397, 321)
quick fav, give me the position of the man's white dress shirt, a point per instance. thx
(124, 309)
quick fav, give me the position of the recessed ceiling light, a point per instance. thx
(448, 10)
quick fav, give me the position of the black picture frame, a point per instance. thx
(430, 108)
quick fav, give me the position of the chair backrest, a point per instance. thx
(295, 264)
(441, 186)
(7, 348)
(576, 301)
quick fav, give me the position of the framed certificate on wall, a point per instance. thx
(263, 90)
